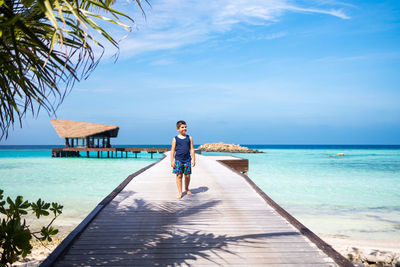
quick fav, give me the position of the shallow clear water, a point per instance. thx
(355, 196)
(77, 183)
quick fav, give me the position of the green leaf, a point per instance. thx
(40, 208)
(56, 208)
(25, 205)
(15, 240)
(26, 3)
(18, 200)
(2, 209)
(15, 236)
(50, 13)
(48, 232)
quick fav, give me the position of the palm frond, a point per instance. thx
(45, 47)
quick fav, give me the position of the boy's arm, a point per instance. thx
(172, 154)
(192, 152)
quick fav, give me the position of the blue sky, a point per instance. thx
(249, 72)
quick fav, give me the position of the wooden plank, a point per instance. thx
(183, 260)
(181, 254)
(241, 165)
(140, 240)
(286, 246)
(224, 222)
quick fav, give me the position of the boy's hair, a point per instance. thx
(179, 123)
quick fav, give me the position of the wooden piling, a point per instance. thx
(74, 151)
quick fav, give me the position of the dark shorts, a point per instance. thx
(182, 167)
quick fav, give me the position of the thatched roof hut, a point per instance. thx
(84, 130)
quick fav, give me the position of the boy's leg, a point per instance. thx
(187, 182)
(179, 184)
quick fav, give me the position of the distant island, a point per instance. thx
(230, 148)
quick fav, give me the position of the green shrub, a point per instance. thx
(15, 234)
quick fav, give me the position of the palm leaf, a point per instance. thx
(45, 47)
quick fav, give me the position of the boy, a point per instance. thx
(182, 157)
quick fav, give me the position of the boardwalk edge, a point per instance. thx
(67, 242)
(321, 244)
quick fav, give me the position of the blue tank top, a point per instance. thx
(182, 149)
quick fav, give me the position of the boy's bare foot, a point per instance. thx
(188, 192)
(179, 196)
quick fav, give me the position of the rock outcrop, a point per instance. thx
(229, 148)
(372, 257)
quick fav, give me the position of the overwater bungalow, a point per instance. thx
(92, 137)
(85, 134)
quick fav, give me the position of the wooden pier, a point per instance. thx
(81, 137)
(238, 164)
(227, 221)
(103, 152)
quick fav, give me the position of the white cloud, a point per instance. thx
(162, 61)
(173, 24)
(333, 12)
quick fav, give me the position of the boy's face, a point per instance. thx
(182, 129)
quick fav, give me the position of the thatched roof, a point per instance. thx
(78, 129)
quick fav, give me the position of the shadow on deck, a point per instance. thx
(149, 234)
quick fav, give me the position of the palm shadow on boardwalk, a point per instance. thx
(134, 232)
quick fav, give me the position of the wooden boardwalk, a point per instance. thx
(225, 222)
(108, 151)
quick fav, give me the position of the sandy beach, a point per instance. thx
(39, 252)
(363, 251)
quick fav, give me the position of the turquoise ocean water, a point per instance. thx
(355, 196)
(77, 183)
